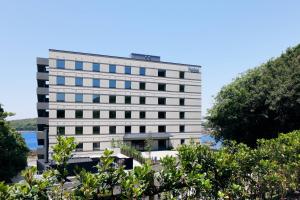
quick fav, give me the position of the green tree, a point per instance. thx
(261, 103)
(13, 150)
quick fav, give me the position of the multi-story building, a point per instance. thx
(99, 99)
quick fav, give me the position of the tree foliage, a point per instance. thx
(261, 103)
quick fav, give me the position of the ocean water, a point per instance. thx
(30, 139)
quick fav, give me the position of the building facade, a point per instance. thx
(101, 100)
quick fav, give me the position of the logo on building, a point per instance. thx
(194, 70)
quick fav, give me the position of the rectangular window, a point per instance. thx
(96, 114)
(182, 141)
(161, 101)
(142, 129)
(96, 130)
(127, 129)
(181, 128)
(79, 81)
(60, 80)
(112, 83)
(60, 130)
(78, 114)
(112, 99)
(181, 88)
(142, 114)
(60, 97)
(161, 87)
(79, 147)
(78, 130)
(127, 84)
(142, 85)
(127, 114)
(181, 101)
(181, 115)
(142, 71)
(60, 114)
(78, 65)
(112, 130)
(127, 70)
(112, 68)
(161, 129)
(96, 146)
(161, 73)
(142, 100)
(127, 99)
(60, 64)
(181, 75)
(96, 82)
(78, 98)
(161, 115)
(112, 114)
(96, 67)
(96, 98)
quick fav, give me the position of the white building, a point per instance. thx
(98, 98)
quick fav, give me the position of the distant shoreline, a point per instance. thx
(25, 131)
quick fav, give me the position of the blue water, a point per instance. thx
(207, 139)
(30, 139)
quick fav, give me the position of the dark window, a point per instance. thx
(127, 84)
(181, 115)
(41, 142)
(96, 67)
(161, 73)
(181, 101)
(112, 99)
(79, 114)
(96, 146)
(96, 114)
(96, 98)
(60, 64)
(79, 147)
(60, 130)
(78, 65)
(181, 75)
(60, 80)
(142, 114)
(112, 130)
(79, 98)
(127, 99)
(127, 114)
(181, 128)
(161, 129)
(142, 100)
(112, 83)
(142, 85)
(79, 81)
(96, 130)
(60, 97)
(161, 115)
(181, 88)
(127, 70)
(127, 129)
(96, 83)
(142, 129)
(182, 141)
(112, 68)
(40, 156)
(161, 87)
(112, 114)
(161, 101)
(60, 114)
(142, 71)
(78, 130)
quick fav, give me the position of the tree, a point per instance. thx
(13, 150)
(260, 103)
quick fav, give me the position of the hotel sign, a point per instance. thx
(194, 70)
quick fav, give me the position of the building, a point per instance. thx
(99, 99)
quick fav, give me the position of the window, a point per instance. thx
(127, 99)
(181, 75)
(161, 101)
(127, 114)
(60, 64)
(127, 70)
(142, 100)
(127, 84)
(96, 130)
(161, 87)
(181, 128)
(60, 130)
(181, 101)
(112, 114)
(41, 142)
(78, 114)
(142, 129)
(79, 81)
(96, 114)
(112, 99)
(96, 67)
(142, 114)
(112, 130)
(181, 115)
(60, 97)
(161, 129)
(96, 98)
(161, 115)
(96, 146)
(60, 80)
(79, 98)
(78, 130)
(142, 85)
(142, 71)
(79, 147)
(161, 73)
(96, 82)
(127, 129)
(40, 156)
(112, 83)
(60, 114)
(112, 68)
(182, 141)
(181, 88)
(78, 65)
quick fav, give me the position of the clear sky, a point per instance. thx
(225, 37)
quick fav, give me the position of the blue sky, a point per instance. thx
(225, 37)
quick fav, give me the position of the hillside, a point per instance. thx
(24, 124)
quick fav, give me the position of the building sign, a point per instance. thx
(194, 70)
